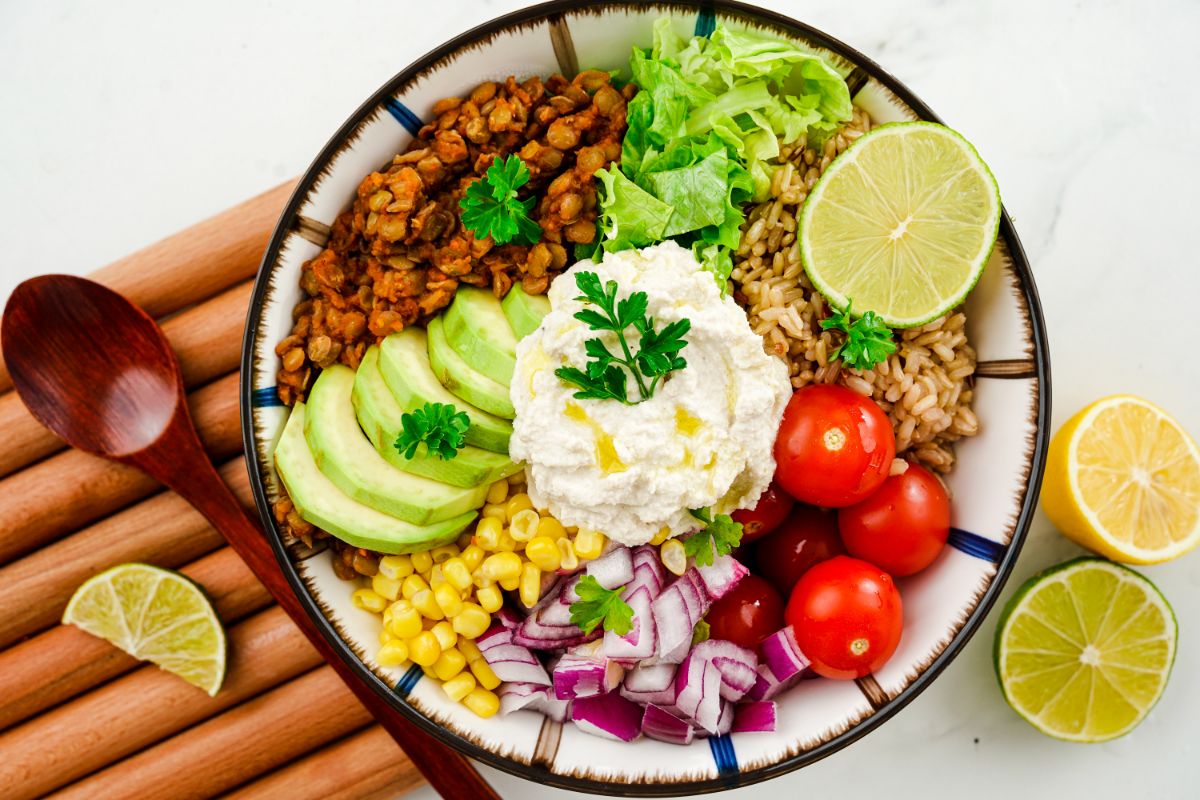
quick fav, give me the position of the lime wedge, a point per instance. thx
(155, 615)
(1084, 650)
(902, 223)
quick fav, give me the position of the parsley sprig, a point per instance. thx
(658, 350)
(440, 426)
(868, 338)
(720, 535)
(491, 208)
(597, 604)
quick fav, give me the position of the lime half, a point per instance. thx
(1084, 650)
(902, 223)
(155, 615)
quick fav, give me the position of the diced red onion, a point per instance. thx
(508, 618)
(612, 570)
(579, 675)
(721, 576)
(642, 640)
(758, 717)
(650, 683)
(516, 696)
(698, 692)
(736, 664)
(783, 665)
(648, 571)
(549, 626)
(510, 662)
(666, 727)
(676, 612)
(608, 715)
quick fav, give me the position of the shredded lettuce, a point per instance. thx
(703, 129)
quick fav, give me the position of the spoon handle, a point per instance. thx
(179, 461)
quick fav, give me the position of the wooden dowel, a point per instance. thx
(196, 263)
(163, 530)
(64, 661)
(149, 705)
(226, 751)
(207, 339)
(364, 765)
(73, 488)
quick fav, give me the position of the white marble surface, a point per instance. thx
(124, 122)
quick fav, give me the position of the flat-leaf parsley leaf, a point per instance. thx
(491, 208)
(720, 535)
(868, 339)
(597, 604)
(438, 425)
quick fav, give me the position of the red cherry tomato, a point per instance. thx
(772, 507)
(749, 613)
(903, 526)
(847, 617)
(807, 537)
(834, 446)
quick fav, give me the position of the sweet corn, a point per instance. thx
(499, 566)
(498, 492)
(510, 584)
(435, 576)
(673, 556)
(424, 649)
(459, 686)
(395, 567)
(428, 672)
(422, 562)
(457, 573)
(495, 512)
(369, 600)
(524, 525)
(549, 526)
(444, 553)
(487, 533)
(472, 556)
(388, 587)
(489, 599)
(661, 536)
(445, 634)
(471, 622)
(448, 599)
(449, 664)
(412, 585)
(385, 636)
(507, 543)
(531, 584)
(481, 581)
(427, 623)
(566, 553)
(406, 620)
(589, 544)
(392, 654)
(542, 551)
(425, 602)
(516, 503)
(516, 479)
(469, 649)
(482, 702)
(483, 673)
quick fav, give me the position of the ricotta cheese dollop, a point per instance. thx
(704, 439)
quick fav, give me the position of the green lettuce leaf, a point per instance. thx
(630, 215)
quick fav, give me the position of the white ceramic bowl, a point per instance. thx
(994, 485)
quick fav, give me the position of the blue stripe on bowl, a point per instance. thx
(403, 115)
(267, 397)
(724, 755)
(706, 22)
(975, 545)
(409, 680)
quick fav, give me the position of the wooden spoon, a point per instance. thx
(96, 370)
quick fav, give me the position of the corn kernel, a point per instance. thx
(469, 649)
(444, 553)
(661, 536)
(495, 512)
(567, 558)
(531, 584)
(464, 540)
(448, 599)
(673, 556)
(427, 623)
(406, 620)
(445, 634)
(436, 578)
(499, 566)
(542, 551)
(472, 556)
(449, 664)
(507, 543)
(457, 573)
(482, 702)
(424, 649)
(489, 599)
(498, 492)
(422, 562)
(392, 654)
(589, 544)
(395, 567)
(388, 587)
(427, 604)
(385, 636)
(524, 525)
(412, 585)
(516, 503)
(510, 584)
(481, 581)
(470, 623)
(369, 600)
(483, 673)
(517, 478)
(459, 686)
(428, 672)
(487, 533)
(551, 527)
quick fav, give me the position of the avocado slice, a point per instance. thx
(458, 376)
(346, 457)
(323, 504)
(524, 311)
(479, 332)
(404, 362)
(379, 415)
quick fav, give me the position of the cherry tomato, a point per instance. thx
(903, 526)
(807, 537)
(847, 617)
(749, 613)
(772, 507)
(834, 446)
